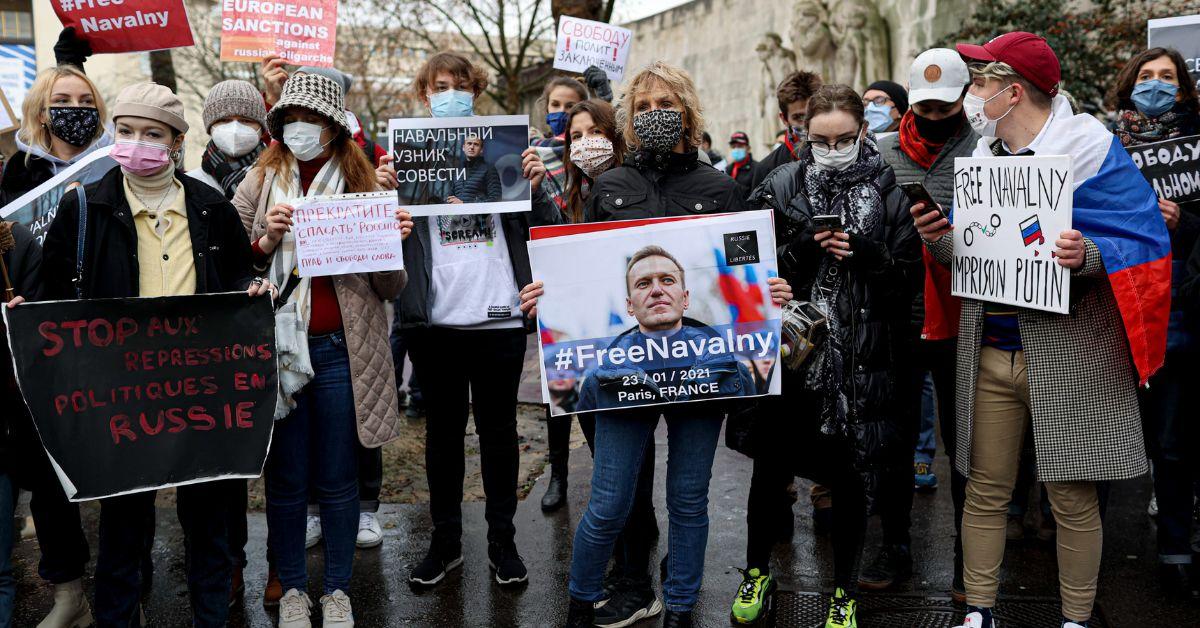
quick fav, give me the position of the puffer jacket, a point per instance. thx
(360, 299)
(482, 184)
(652, 185)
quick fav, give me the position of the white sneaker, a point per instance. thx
(312, 531)
(370, 533)
(71, 608)
(294, 609)
(335, 611)
(975, 620)
(1071, 624)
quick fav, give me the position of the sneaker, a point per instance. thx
(506, 562)
(370, 534)
(631, 601)
(678, 619)
(581, 614)
(1152, 508)
(433, 568)
(312, 531)
(273, 591)
(923, 477)
(1071, 624)
(754, 596)
(893, 564)
(1014, 529)
(294, 609)
(335, 611)
(978, 619)
(843, 611)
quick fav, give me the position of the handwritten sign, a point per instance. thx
(584, 43)
(347, 233)
(132, 395)
(301, 31)
(1172, 167)
(1008, 213)
(1181, 33)
(127, 25)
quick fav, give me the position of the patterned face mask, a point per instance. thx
(593, 155)
(658, 131)
(74, 125)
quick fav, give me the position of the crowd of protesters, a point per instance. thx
(904, 360)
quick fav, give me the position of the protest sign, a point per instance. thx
(133, 395)
(1172, 167)
(347, 233)
(1008, 214)
(301, 31)
(584, 43)
(18, 69)
(453, 166)
(36, 208)
(1181, 33)
(127, 25)
(648, 312)
(8, 119)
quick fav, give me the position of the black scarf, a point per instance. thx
(228, 172)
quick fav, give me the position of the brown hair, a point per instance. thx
(605, 119)
(543, 102)
(456, 64)
(652, 251)
(797, 86)
(830, 98)
(357, 171)
(1119, 95)
(675, 80)
(35, 130)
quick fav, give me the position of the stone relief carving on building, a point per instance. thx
(847, 41)
(777, 63)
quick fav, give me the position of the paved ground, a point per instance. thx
(1129, 595)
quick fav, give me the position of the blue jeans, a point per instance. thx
(316, 444)
(927, 440)
(621, 441)
(8, 584)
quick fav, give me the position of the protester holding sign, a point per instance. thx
(1156, 101)
(142, 211)
(338, 385)
(560, 94)
(1014, 363)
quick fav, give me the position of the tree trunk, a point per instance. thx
(585, 9)
(162, 69)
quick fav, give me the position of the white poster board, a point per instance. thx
(584, 43)
(347, 233)
(1008, 213)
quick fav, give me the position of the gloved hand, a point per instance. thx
(71, 49)
(597, 81)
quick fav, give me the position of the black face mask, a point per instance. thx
(938, 131)
(74, 125)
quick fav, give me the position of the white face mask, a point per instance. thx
(234, 138)
(973, 108)
(839, 159)
(304, 140)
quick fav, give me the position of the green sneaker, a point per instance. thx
(843, 611)
(753, 599)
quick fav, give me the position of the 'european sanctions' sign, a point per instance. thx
(301, 31)
(127, 25)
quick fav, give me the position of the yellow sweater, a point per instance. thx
(164, 246)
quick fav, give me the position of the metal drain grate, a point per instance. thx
(807, 610)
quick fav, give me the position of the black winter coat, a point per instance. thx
(220, 248)
(655, 186)
(482, 184)
(24, 268)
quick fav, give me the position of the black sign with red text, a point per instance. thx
(133, 395)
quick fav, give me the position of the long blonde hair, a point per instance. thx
(34, 129)
(677, 81)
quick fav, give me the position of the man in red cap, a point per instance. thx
(1021, 368)
(741, 162)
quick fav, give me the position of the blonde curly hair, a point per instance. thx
(675, 80)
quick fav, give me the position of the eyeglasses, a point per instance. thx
(824, 148)
(879, 100)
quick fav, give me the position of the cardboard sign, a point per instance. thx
(1008, 213)
(127, 25)
(455, 166)
(36, 208)
(302, 31)
(584, 43)
(133, 395)
(690, 319)
(1171, 166)
(1181, 33)
(347, 233)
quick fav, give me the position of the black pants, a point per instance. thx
(631, 555)
(467, 370)
(1173, 440)
(768, 507)
(64, 547)
(938, 357)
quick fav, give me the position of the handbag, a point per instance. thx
(805, 326)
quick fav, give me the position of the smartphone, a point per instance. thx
(916, 192)
(828, 222)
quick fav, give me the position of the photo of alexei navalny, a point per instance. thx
(479, 183)
(667, 357)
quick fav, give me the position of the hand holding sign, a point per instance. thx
(127, 25)
(1070, 249)
(584, 43)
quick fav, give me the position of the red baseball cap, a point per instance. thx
(1027, 53)
(739, 137)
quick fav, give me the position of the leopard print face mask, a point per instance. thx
(658, 131)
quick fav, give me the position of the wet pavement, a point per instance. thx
(1129, 594)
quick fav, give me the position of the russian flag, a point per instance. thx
(745, 298)
(1117, 210)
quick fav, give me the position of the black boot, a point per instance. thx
(893, 564)
(581, 614)
(677, 619)
(558, 431)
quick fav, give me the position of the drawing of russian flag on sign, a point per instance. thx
(1031, 231)
(1117, 210)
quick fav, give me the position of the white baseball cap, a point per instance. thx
(937, 74)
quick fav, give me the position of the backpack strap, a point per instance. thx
(81, 241)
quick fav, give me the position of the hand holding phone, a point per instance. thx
(827, 222)
(916, 193)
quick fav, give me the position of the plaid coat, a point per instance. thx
(1082, 383)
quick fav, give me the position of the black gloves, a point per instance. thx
(70, 49)
(597, 82)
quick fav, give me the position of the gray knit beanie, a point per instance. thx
(340, 77)
(234, 98)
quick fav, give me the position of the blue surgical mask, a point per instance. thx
(452, 104)
(879, 117)
(1154, 97)
(737, 154)
(557, 122)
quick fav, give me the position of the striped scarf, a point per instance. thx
(228, 171)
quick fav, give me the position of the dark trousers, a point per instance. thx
(465, 370)
(1173, 440)
(938, 357)
(631, 554)
(127, 522)
(768, 508)
(60, 536)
